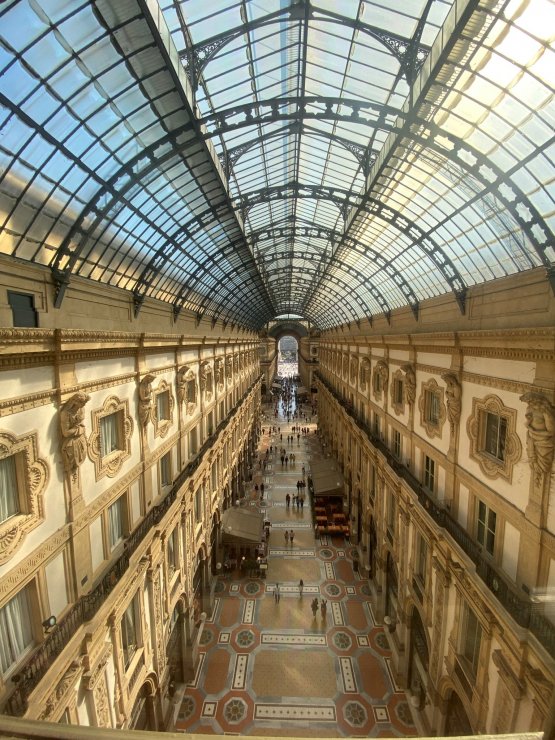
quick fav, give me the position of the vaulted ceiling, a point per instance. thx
(245, 160)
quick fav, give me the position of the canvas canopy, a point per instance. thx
(241, 527)
(327, 479)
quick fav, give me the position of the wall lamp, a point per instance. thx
(49, 623)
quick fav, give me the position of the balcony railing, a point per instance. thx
(37, 665)
(521, 609)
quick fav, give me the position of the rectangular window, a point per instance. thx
(421, 558)
(198, 505)
(130, 631)
(166, 469)
(163, 406)
(110, 434)
(372, 482)
(173, 550)
(397, 391)
(23, 309)
(471, 637)
(431, 408)
(116, 522)
(397, 444)
(16, 633)
(193, 447)
(391, 515)
(376, 425)
(495, 435)
(487, 520)
(9, 492)
(429, 473)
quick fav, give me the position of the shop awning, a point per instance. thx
(241, 527)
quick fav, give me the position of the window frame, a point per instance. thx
(471, 664)
(165, 470)
(429, 474)
(483, 529)
(493, 467)
(31, 611)
(122, 502)
(118, 417)
(135, 607)
(397, 444)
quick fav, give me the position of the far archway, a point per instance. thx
(288, 357)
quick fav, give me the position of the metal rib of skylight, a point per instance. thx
(340, 60)
(101, 161)
(478, 177)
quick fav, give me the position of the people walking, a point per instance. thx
(323, 608)
(292, 536)
(277, 594)
(301, 586)
(286, 537)
(314, 606)
(287, 500)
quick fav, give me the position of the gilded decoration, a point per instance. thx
(220, 379)
(432, 408)
(493, 466)
(398, 392)
(364, 373)
(32, 475)
(109, 464)
(206, 381)
(74, 439)
(162, 426)
(379, 379)
(353, 370)
(540, 435)
(145, 400)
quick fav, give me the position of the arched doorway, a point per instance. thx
(391, 590)
(143, 714)
(372, 547)
(288, 357)
(419, 659)
(456, 719)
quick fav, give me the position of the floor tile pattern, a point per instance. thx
(270, 667)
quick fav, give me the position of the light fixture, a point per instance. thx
(49, 623)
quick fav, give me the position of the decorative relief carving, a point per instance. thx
(454, 402)
(206, 381)
(500, 465)
(96, 673)
(163, 425)
(145, 400)
(32, 475)
(410, 383)
(229, 368)
(56, 698)
(345, 366)
(432, 408)
(220, 380)
(364, 374)
(110, 463)
(380, 379)
(353, 370)
(74, 440)
(398, 392)
(540, 435)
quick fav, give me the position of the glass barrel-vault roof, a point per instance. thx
(246, 159)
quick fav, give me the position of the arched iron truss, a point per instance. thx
(289, 231)
(320, 108)
(408, 51)
(362, 154)
(419, 238)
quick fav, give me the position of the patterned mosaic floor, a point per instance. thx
(270, 667)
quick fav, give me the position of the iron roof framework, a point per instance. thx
(328, 160)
